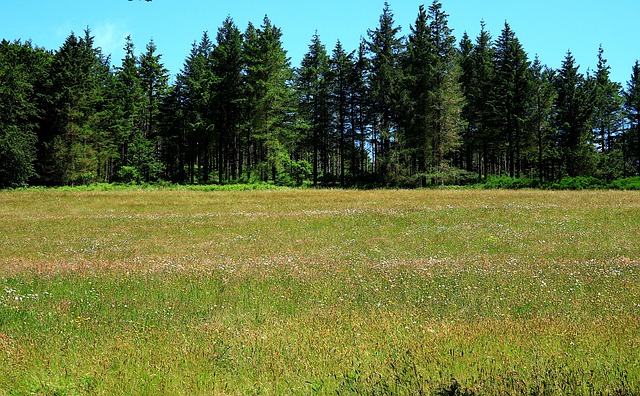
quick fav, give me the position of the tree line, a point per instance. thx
(414, 110)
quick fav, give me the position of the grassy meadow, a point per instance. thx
(446, 292)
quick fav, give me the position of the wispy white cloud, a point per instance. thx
(110, 37)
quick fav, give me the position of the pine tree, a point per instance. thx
(343, 68)
(385, 47)
(269, 100)
(22, 70)
(196, 83)
(446, 98)
(468, 143)
(314, 87)
(540, 121)
(511, 98)
(154, 79)
(632, 110)
(360, 113)
(573, 111)
(128, 97)
(228, 99)
(477, 79)
(434, 101)
(177, 151)
(71, 129)
(607, 120)
(418, 76)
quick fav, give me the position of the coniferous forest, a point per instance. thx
(420, 109)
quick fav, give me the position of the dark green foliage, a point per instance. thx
(268, 102)
(511, 96)
(566, 183)
(578, 183)
(507, 182)
(574, 107)
(410, 111)
(385, 47)
(480, 140)
(433, 97)
(154, 83)
(628, 183)
(540, 122)
(17, 153)
(195, 99)
(228, 101)
(73, 134)
(631, 139)
(314, 81)
(22, 70)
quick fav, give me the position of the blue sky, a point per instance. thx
(547, 28)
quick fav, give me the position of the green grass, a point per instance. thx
(319, 292)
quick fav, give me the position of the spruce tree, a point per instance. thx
(314, 89)
(468, 141)
(511, 95)
(446, 98)
(154, 79)
(72, 127)
(632, 111)
(360, 113)
(573, 111)
(128, 98)
(269, 100)
(478, 76)
(228, 100)
(342, 68)
(607, 120)
(540, 121)
(196, 84)
(385, 46)
(434, 101)
(22, 70)
(419, 65)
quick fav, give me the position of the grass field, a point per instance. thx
(320, 292)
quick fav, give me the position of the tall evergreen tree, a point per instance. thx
(468, 143)
(314, 86)
(419, 64)
(360, 113)
(269, 100)
(446, 98)
(154, 79)
(343, 68)
(228, 99)
(22, 70)
(196, 82)
(70, 130)
(385, 46)
(632, 110)
(433, 88)
(607, 120)
(540, 121)
(512, 91)
(573, 111)
(127, 96)
(478, 76)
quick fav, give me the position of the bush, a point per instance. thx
(627, 183)
(129, 174)
(507, 182)
(578, 183)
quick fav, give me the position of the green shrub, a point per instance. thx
(511, 183)
(129, 174)
(627, 183)
(578, 183)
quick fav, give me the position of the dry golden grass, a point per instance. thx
(319, 292)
